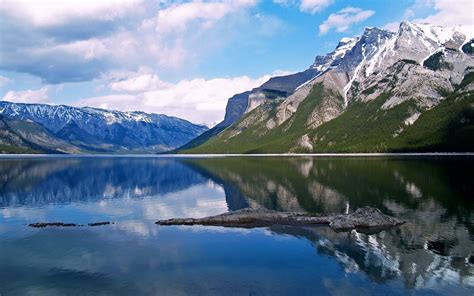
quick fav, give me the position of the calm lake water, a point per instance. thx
(432, 254)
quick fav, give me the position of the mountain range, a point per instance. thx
(383, 91)
(34, 128)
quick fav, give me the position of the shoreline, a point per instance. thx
(409, 154)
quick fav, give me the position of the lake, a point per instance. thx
(432, 254)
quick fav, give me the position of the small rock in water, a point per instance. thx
(99, 223)
(61, 224)
(56, 224)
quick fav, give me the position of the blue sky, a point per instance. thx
(182, 58)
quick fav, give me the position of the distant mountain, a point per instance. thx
(65, 129)
(410, 90)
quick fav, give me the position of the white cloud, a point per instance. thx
(85, 49)
(4, 81)
(198, 100)
(177, 17)
(448, 13)
(313, 6)
(139, 83)
(308, 6)
(56, 12)
(123, 102)
(81, 40)
(28, 96)
(342, 20)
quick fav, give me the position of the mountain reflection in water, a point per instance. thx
(434, 195)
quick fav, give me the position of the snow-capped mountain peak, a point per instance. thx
(377, 50)
(345, 44)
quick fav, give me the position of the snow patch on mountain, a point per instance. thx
(344, 46)
(410, 120)
(377, 59)
(438, 34)
(354, 77)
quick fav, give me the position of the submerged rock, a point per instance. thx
(365, 219)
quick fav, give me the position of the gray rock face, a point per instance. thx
(281, 86)
(236, 107)
(367, 218)
(286, 85)
(413, 44)
(364, 49)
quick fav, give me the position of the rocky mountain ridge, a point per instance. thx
(390, 78)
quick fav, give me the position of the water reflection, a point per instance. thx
(435, 197)
(46, 181)
(431, 253)
(111, 189)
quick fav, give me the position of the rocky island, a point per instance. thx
(366, 219)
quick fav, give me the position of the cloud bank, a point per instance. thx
(28, 96)
(82, 40)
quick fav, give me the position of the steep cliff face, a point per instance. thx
(376, 92)
(236, 107)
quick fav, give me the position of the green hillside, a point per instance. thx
(11, 142)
